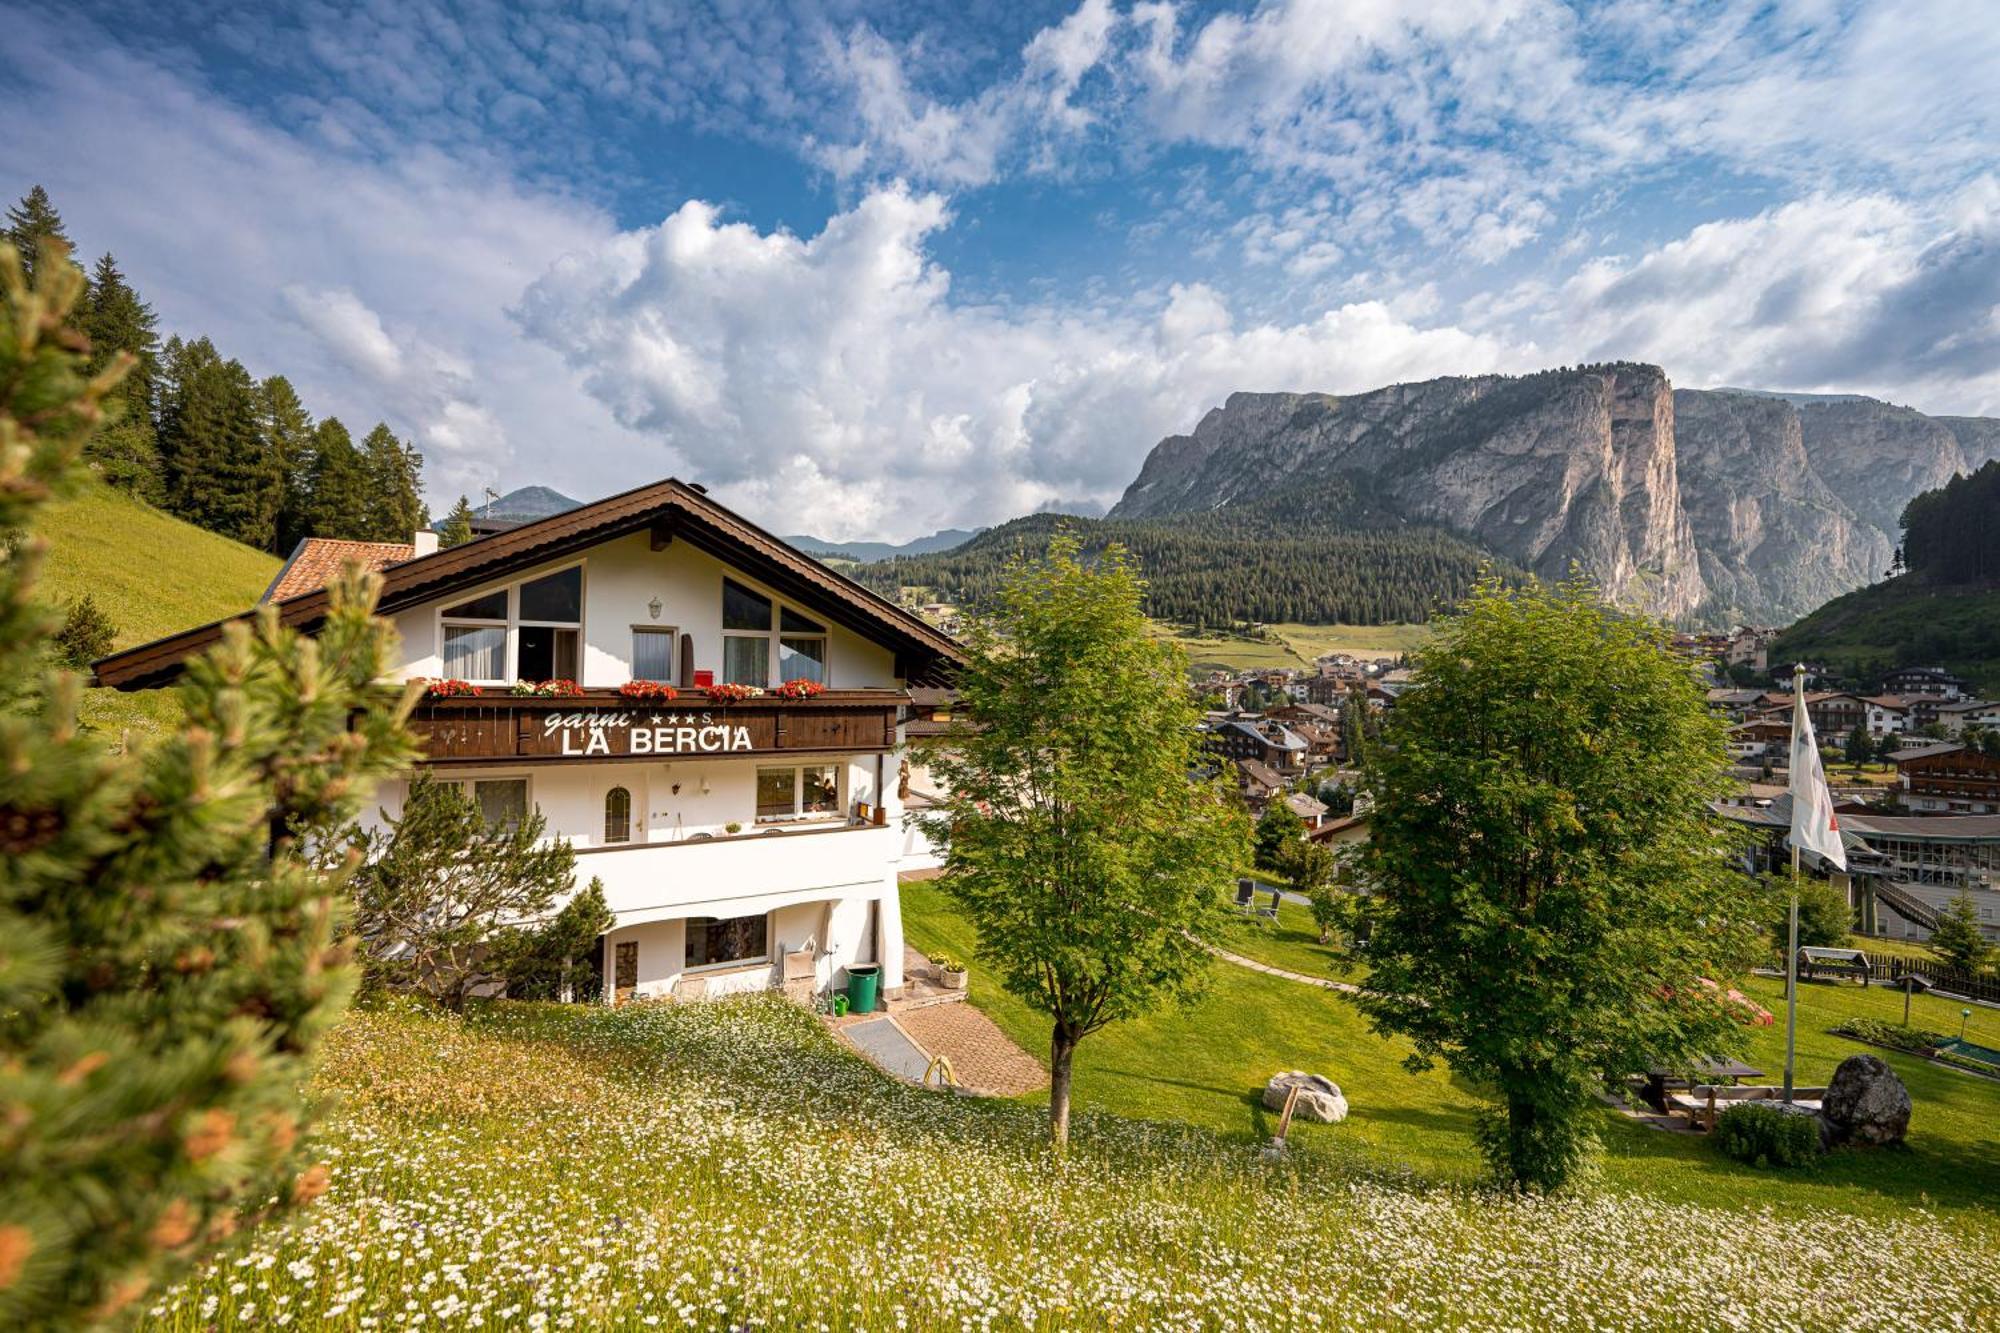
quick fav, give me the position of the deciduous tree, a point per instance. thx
(1096, 871)
(1550, 883)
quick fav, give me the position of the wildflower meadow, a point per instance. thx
(729, 1165)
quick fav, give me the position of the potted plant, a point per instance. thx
(547, 689)
(449, 689)
(730, 692)
(951, 971)
(645, 690)
(732, 828)
(800, 689)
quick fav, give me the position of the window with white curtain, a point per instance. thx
(653, 653)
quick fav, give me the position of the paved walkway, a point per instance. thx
(984, 1059)
(1324, 983)
(882, 1040)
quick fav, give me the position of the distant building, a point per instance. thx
(1924, 680)
(1951, 780)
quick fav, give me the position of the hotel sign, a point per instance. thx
(476, 730)
(580, 734)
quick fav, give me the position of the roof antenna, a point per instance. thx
(491, 496)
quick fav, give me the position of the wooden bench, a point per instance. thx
(1705, 1101)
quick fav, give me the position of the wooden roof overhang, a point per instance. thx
(669, 511)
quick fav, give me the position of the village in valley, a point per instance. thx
(1273, 800)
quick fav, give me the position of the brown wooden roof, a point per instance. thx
(317, 561)
(671, 510)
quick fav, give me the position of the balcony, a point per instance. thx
(737, 876)
(599, 725)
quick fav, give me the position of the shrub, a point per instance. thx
(86, 634)
(1893, 1035)
(1766, 1136)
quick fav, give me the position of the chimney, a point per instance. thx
(426, 541)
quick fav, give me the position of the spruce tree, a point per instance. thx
(337, 485)
(395, 505)
(32, 225)
(288, 432)
(219, 471)
(126, 449)
(456, 530)
(86, 634)
(169, 962)
(1958, 942)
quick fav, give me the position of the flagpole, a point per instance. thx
(1792, 931)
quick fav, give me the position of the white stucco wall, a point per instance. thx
(620, 580)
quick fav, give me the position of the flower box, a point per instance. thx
(800, 689)
(648, 689)
(547, 689)
(730, 692)
(449, 689)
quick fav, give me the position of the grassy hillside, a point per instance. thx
(151, 574)
(1294, 645)
(729, 1165)
(1902, 622)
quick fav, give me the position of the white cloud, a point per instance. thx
(832, 379)
(380, 289)
(1863, 293)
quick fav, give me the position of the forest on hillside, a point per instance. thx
(194, 433)
(1219, 570)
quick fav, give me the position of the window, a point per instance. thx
(653, 653)
(503, 802)
(714, 941)
(811, 792)
(746, 635)
(551, 608)
(752, 644)
(801, 648)
(617, 815)
(545, 615)
(475, 638)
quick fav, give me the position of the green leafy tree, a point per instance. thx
(1549, 882)
(125, 450)
(169, 963)
(395, 506)
(1312, 870)
(86, 634)
(1825, 919)
(38, 235)
(288, 433)
(550, 961)
(1958, 942)
(442, 886)
(1859, 748)
(456, 530)
(1096, 872)
(1278, 830)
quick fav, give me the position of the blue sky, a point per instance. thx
(872, 269)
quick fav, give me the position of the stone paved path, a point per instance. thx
(1325, 983)
(984, 1058)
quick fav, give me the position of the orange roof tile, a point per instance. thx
(317, 561)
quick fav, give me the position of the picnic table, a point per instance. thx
(1712, 1071)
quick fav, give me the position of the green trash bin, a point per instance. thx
(863, 981)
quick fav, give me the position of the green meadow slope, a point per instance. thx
(151, 574)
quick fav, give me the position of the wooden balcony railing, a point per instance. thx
(598, 725)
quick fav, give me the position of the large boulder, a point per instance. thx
(1865, 1103)
(1319, 1097)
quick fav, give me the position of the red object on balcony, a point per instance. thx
(702, 678)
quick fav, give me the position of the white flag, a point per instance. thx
(1815, 827)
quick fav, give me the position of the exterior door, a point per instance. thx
(625, 971)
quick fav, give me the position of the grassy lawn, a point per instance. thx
(1290, 942)
(729, 1165)
(1230, 653)
(1205, 1066)
(152, 574)
(1313, 641)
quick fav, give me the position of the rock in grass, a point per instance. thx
(1865, 1103)
(1319, 1097)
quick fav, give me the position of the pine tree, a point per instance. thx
(1958, 942)
(288, 432)
(126, 450)
(219, 471)
(337, 485)
(34, 224)
(457, 527)
(552, 961)
(169, 961)
(395, 506)
(86, 634)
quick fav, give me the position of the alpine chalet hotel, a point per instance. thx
(739, 839)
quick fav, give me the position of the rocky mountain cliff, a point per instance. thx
(1691, 504)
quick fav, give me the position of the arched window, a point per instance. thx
(618, 815)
